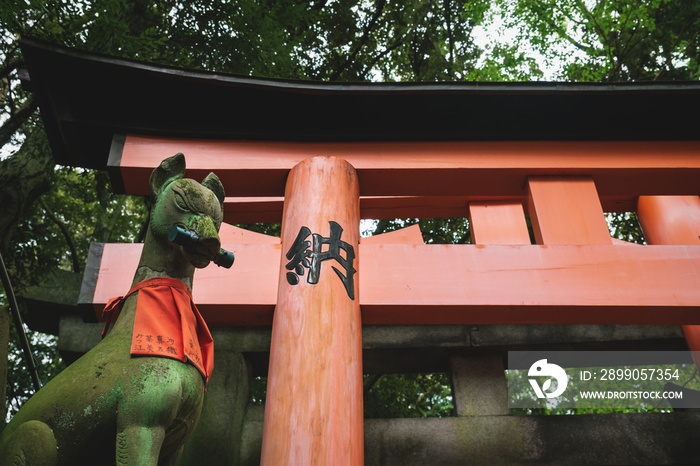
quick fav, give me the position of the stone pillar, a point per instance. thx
(313, 412)
(673, 220)
(217, 437)
(479, 386)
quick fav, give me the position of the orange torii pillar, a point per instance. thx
(313, 412)
(673, 220)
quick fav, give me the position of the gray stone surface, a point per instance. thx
(251, 442)
(55, 296)
(479, 386)
(76, 337)
(415, 336)
(579, 337)
(655, 438)
(218, 435)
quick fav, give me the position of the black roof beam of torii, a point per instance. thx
(87, 98)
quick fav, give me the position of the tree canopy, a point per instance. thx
(612, 40)
(50, 214)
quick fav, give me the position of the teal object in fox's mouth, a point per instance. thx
(224, 259)
(182, 236)
(185, 237)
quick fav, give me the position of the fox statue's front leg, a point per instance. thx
(32, 443)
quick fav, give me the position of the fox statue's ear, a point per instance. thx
(169, 170)
(212, 182)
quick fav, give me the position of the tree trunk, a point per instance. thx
(4, 346)
(24, 176)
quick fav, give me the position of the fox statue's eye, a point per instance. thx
(180, 201)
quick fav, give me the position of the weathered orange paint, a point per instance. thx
(244, 296)
(673, 220)
(449, 284)
(461, 284)
(487, 169)
(232, 234)
(566, 210)
(498, 223)
(670, 219)
(408, 235)
(619, 242)
(313, 409)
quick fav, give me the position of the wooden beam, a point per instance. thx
(673, 220)
(670, 219)
(233, 235)
(531, 284)
(498, 223)
(407, 235)
(260, 168)
(566, 210)
(458, 284)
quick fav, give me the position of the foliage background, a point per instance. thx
(50, 214)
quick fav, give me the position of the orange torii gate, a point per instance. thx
(502, 278)
(574, 274)
(320, 185)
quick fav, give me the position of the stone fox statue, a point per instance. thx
(118, 404)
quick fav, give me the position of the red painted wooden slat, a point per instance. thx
(487, 169)
(566, 210)
(410, 284)
(498, 223)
